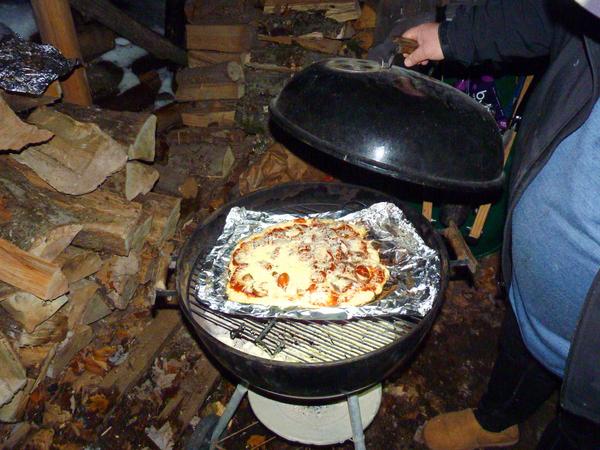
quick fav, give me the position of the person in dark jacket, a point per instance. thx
(551, 254)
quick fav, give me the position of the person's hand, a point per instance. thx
(429, 48)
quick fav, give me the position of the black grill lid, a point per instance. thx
(393, 121)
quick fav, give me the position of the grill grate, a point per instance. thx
(300, 341)
(303, 342)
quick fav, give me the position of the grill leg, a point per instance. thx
(230, 409)
(358, 435)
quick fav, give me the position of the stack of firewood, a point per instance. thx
(218, 40)
(81, 235)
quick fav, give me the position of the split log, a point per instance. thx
(79, 157)
(165, 211)
(193, 392)
(107, 221)
(147, 345)
(31, 311)
(79, 296)
(203, 58)
(112, 17)
(205, 114)
(225, 71)
(168, 116)
(50, 331)
(209, 135)
(77, 263)
(218, 11)
(135, 131)
(119, 276)
(12, 373)
(14, 410)
(16, 134)
(209, 90)
(68, 348)
(338, 10)
(30, 273)
(321, 45)
(309, 42)
(148, 264)
(86, 304)
(137, 178)
(28, 218)
(220, 38)
(162, 270)
(94, 40)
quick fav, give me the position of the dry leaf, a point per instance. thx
(55, 415)
(41, 440)
(163, 437)
(97, 403)
(256, 441)
(95, 366)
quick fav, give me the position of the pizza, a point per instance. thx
(308, 263)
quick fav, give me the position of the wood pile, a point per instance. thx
(218, 40)
(82, 235)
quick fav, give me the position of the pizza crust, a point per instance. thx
(307, 263)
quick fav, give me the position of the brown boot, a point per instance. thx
(460, 431)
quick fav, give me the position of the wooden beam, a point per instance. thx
(112, 17)
(56, 26)
(30, 273)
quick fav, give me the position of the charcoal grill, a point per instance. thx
(301, 360)
(383, 119)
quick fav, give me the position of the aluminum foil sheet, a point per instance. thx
(27, 67)
(414, 267)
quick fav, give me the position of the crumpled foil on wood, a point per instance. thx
(414, 267)
(27, 67)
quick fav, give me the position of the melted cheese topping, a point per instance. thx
(307, 262)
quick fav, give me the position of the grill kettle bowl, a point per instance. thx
(310, 380)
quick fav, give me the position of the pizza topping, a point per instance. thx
(283, 280)
(362, 271)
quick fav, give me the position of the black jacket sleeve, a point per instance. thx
(498, 30)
